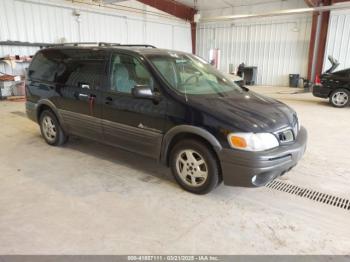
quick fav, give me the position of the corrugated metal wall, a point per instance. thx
(338, 40)
(51, 21)
(276, 47)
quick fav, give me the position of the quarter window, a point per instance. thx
(44, 66)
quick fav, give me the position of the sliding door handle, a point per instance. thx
(109, 100)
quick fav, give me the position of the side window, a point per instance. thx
(44, 66)
(127, 72)
(85, 68)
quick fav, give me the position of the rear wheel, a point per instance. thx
(194, 166)
(51, 129)
(340, 98)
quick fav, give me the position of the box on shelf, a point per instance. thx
(6, 88)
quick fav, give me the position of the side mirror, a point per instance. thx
(143, 91)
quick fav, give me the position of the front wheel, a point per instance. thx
(194, 166)
(340, 98)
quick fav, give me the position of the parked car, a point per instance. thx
(334, 85)
(168, 105)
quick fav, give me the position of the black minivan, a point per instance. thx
(167, 105)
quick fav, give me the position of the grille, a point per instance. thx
(286, 136)
(314, 195)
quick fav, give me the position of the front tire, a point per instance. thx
(51, 130)
(194, 166)
(340, 98)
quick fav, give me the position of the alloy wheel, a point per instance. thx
(49, 128)
(192, 168)
(340, 98)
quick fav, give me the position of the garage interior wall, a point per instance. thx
(277, 47)
(338, 39)
(54, 21)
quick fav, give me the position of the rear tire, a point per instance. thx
(51, 130)
(194, 166)
(340, 98)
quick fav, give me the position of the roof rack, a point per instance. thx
(42, 45)
(101, 44)
(73, 44)
(127, 45)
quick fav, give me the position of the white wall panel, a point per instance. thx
(338, 39)
(276, 47)
(52, 21)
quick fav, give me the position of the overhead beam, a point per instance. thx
(313, 3)
(178, 10)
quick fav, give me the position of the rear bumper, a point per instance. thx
(252, 169)
(321, 91)
(31, 110)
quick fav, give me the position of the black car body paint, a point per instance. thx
(148, 127)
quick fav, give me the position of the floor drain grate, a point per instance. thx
(310, 194)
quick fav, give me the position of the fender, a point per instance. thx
(53, 107)
(168, 137)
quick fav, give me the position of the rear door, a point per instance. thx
(132, 123)
(81, 76)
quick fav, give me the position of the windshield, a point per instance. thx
(191, 75)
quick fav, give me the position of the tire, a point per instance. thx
(194, 166)
(340, 98)
(51, 130)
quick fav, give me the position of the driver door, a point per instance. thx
(132, 123)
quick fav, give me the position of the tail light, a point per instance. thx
(317, 80)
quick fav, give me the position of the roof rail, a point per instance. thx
(42, 45)
(74, 44)
(130, 45)
(147, 46)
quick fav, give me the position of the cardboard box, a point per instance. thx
(6, 88)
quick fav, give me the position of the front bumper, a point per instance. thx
(252, 169)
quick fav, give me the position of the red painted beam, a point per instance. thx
(322, 42)
(322, 38)
(339, 1)
(178, 10)
(312, 3)
(312, 44)
(172, 7)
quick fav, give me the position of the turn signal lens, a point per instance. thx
(238, 142)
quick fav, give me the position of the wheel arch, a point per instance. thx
(45, 104)
(185, 131)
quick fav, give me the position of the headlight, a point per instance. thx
(252, 142)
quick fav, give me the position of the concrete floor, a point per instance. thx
(87, 198)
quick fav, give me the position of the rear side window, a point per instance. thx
(43, 66)
(70, 67)
(83, 68)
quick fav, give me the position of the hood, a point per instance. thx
(334, 62)
(247, 111)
